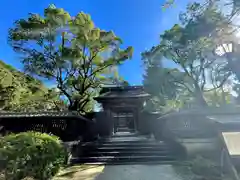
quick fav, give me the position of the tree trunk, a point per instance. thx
(199, 96)
(224, 101)
(73, 106)
(233, 65)
(78, 105)
(201, 100)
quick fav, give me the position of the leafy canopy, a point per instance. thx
(69, 50)
(189, 46)
(20, 92)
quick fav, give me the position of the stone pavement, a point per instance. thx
(139, 172)
(124, 172)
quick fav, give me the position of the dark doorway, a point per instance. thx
(124, 121)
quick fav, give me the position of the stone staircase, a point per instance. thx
(126, 148)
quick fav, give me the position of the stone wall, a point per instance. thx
(196, 134)
(190, 126)
(148, 123)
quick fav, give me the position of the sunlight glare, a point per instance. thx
(224, 48)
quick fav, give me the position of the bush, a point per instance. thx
(205, 167)
(201, 168)
(31, 154)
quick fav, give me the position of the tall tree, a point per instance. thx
(20, 92)
(71, 51)
(159, 82)
(189, 46)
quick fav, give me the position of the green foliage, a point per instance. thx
(207, 169)
(218, 98)
(157, 80)
(20, 92)
(188, 45)
(71, 51)
(160, 83)
(31, 154)
(201, 168)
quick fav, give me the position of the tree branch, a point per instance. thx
(182, 83)
(221, 84)
(182, 65)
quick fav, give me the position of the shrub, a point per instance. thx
(200, 168)
(206, 167)
(31, 154)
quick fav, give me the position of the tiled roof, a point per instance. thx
(66, 114)
(219, 114)
(122, 92)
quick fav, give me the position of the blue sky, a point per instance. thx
(138, 22)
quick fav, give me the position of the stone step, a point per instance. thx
(131, 148)
(130, 142)
(76, 161)
(144, 141)
(135, 141)
(112, 146)
(124, 128)
(129, 153)
(125, 148)
(153, 145)
(129, 139)
(124, 134)
(125, 159)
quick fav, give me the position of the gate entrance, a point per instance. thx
(124, 121)
(122, 106)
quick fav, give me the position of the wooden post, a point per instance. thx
(135, 119)
(111, 118)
